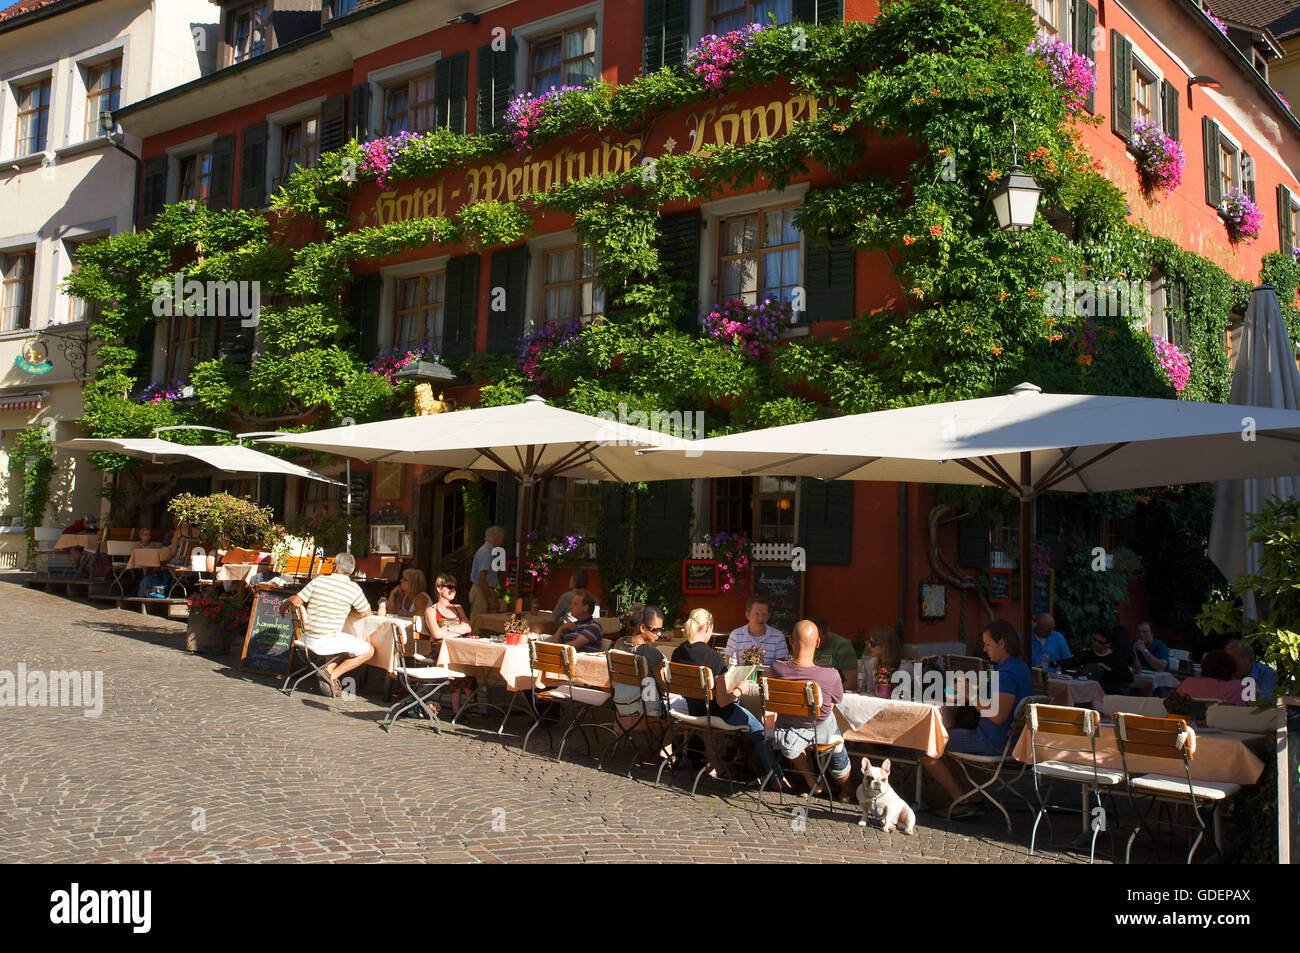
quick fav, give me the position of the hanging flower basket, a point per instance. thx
(1174, 362)
(731, 551)
(526, 112)
(715, 58)
(379, 155)
(1242, 215)
(387, 363)
(1073, 74)
(534, 345)
(1160, 159)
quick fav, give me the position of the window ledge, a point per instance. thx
(17, 335)
(87, 145)
(24, 162)
(799, 331)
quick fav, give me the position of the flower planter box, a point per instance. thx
(204, 638)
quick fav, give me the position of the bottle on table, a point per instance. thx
(383, 606)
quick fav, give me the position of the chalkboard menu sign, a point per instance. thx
(1291, 781)
(268, 643)
(784, 586)
(509, 579)
(700, 576)
(999, 585)
(1044, 592)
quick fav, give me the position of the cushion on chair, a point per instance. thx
(702, 721)
(584, 696)
(1169, 784)
(1081, 773)
(431, 673)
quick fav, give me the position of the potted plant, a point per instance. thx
(1242, 216)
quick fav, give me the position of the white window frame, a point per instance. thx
(9, 110)
(1064, 16)
(277, 121)
(712, 212)
(1233, 141)
(22, 244)
(1158, 106)
(537, 249)
(60, 302)
(79, 94)
(527, 33)
(389, 277)
(381, 79)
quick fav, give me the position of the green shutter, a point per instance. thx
(205, 349)
(451, 91)
(1284, 219)
(826, 520)
(333, 123)
(361, 112)
(972, 543)
(507, 288)
(252, 167)
(663, 525)
(1210, 141)
(153, 189)
(363, 302)
(667, 34)
(508, 510)
(271, 493)
(142, 367)
(222, 190)
(1169, 108)
(236, 340)
(1085, 27)
(460, 308)
(679, 259)
(496, 84)
(828, 281)
(1121, 86)
(1176, 318)
(613, 541)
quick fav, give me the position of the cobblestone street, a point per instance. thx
(193, 760)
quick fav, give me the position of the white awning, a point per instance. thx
(25, 400)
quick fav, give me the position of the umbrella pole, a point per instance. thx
(347, 514)
(1026, 570)
(521, 546)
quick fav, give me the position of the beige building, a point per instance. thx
(63, 181)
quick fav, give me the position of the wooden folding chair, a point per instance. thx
(119, 554)
(1083, 723)
(798, 699)
(309, 657)
(696, 682)
(994, 763)
(633, 671)
(554, 660)
(1169, 739)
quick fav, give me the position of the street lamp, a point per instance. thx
(1015, 197)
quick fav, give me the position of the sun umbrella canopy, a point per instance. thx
(1266, 376)
(528, 438)
(231, 459)
(1074, 442)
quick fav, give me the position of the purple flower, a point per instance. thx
(1072, 73)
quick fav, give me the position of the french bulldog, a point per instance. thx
(879, 800)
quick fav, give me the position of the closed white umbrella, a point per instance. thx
(1026, 443)
(1265, 376)
(530, 440)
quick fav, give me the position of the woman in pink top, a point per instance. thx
(1217, 680)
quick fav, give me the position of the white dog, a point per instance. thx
(879, 800)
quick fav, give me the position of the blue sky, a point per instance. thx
(7, 3)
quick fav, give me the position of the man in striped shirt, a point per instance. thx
(328, 601)
(757, 634)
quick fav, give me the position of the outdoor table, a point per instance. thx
(233, 574)
(1216, 755)
(145, 557)
(76, 541)
(1146, 682)
(495, 623)
(378, 631)
(1075, 692)
(485, 657)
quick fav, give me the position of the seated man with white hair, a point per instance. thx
(328, 600)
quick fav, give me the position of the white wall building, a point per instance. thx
(63, 182)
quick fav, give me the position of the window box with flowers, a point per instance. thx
(1241, 215)
(1073, 74)
(161, 391)
(751, 328)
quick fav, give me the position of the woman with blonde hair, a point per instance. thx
(410, 596)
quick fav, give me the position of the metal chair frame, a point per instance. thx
(967, 762)
(439, 678)
(782, 696)
(294, 679)
(695, 682)
(1073, 722)
(548, 658)
(628, 668)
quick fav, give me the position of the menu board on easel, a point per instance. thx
(268, 643)
(783, 585)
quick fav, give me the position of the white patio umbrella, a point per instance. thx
(230, 459)
(531, 441)
(1265, 376)
(1026, 443)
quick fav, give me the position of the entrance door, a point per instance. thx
(451, 550)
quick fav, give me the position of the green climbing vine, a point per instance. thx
(32, 454)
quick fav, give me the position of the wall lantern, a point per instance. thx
(1015, 197)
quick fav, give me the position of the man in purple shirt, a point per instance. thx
(794, 733)
(584, 632)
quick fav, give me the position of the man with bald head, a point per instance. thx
(794, 733)
(1047, 641)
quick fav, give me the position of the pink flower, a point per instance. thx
(1073, 74)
